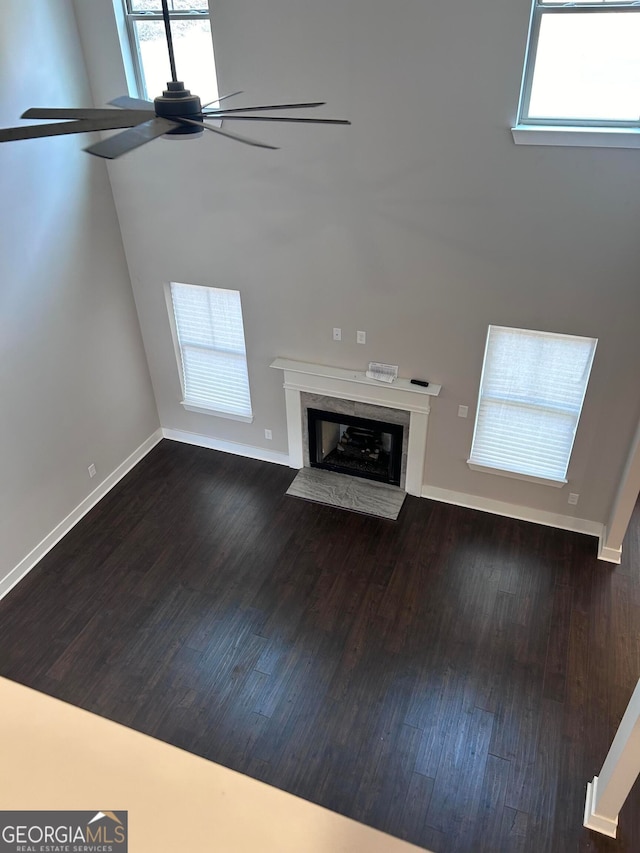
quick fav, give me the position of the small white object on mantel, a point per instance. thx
(382, 372)
(354, 385)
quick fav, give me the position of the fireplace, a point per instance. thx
(362, 447)
(351, 392)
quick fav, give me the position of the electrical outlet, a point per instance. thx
(573, 498)
(268, 434)
(463, 411)
(92, 470)
(361, 337)
(337, 334)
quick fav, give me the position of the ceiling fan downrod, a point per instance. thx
(176, 101)
(167, 29)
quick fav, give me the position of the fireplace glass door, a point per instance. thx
(357, 446)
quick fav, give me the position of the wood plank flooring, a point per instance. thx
(453, 678)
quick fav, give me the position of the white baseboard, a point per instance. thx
(610, 555)
(247, 450)
(33, 557)
(594, 821)
(522, 513)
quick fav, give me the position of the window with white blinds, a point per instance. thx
(210, 333)
(531, 394)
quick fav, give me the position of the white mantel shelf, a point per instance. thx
(352, 385)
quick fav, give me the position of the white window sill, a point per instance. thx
(579, 137)
(216, 413)
(545, 481)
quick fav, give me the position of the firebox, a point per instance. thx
(358, 446)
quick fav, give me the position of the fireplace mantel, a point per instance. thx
(351, 385)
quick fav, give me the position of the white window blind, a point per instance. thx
(212, 348)
(531, 394)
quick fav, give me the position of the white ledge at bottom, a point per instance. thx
(216, 413)
(594, 821)
(609, 555)
(204, 806)
(577, 137)
(514, 475)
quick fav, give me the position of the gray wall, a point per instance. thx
(421, 224)
(74, 382)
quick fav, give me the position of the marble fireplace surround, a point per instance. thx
(336, 389)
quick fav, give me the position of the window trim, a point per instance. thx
(475, 465)
(515, 475)
(577, 137)
(204, 410)
(563, 131)
(185, 403)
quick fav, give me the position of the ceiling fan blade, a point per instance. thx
(34, 131)
(221, 98)
(270, 107)
(230, 135)
(126, 102)
(234, 117)
(126, 141)
(89, 113)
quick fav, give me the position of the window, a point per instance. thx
(582, 69)
(531, 393)
(192, 44)
(212, 355)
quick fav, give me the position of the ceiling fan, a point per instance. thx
(174, 113)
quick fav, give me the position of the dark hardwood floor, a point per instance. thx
(453, 678)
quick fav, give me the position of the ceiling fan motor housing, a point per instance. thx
(178, 102)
